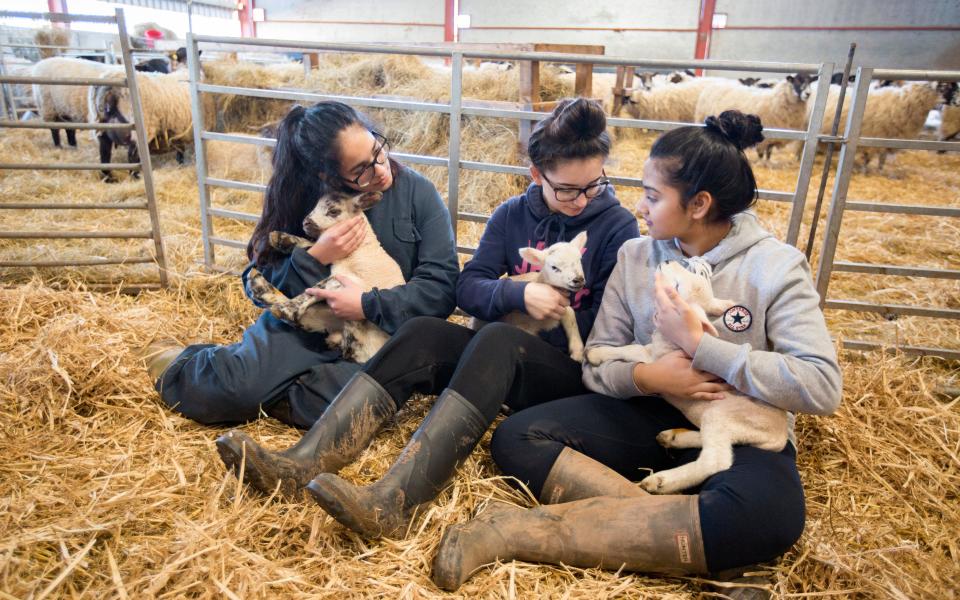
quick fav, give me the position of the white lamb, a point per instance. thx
(784, 106)
(736, 419)
(891, 112)
(66, 102)
(561, 267)
(369, 264)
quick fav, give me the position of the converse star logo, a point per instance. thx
(737, 318)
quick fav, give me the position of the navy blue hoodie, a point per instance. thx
(526, 220)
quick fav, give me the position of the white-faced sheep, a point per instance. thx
(66, 102)
(783, 106)
(673, 102)
(891, 112)
(167, 118)
(561, 267)
(735, 419)
(369, 264)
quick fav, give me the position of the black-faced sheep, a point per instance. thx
(783, 107)
(167, 118)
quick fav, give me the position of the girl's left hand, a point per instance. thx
(344, 302)
(675, 319)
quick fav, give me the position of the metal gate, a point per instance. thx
(144, 166)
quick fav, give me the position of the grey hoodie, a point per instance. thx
(773, 346)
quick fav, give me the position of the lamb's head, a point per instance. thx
(801, 85)
(691, 279)
(560, 264)
(336, 206)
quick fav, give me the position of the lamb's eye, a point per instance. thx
(555, 267)
(677, 286)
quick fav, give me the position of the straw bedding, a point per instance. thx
(109, 494)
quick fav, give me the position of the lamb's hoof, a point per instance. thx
(577, 354)
(282, 241)
(667, 437)
(653, 484)
(260, 288)
(594, 356)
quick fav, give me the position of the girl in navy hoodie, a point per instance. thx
(475, 373)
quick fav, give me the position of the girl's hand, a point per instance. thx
(339, 241)
(543, 301)
(673, 375)
(344, 302)
(675, 319)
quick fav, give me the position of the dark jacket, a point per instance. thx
(526, 220)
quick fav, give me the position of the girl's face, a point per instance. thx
(364, 156)
(578, 173)
(660, 205)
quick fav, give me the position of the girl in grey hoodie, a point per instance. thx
(580, 454)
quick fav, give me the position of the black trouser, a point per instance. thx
(750, 513)
(497, 365)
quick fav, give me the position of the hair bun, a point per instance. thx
(579, 119)
(743, 131)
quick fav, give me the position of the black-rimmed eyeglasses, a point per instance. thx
(569, 194)
(369, 172)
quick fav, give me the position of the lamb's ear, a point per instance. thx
(580, 240)
(705, 321)
(718, 306)
(533, 256)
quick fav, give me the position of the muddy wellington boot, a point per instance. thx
(158, 356)
(650, 534)
(338, 436)
(445, 438)
(575, 476)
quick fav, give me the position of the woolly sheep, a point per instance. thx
(561, 267)
(676, 102)
(167, 120)
(66, 102)
(891, 112)
(735, 419)
(369, 264)
(783, 106)
(949, 123)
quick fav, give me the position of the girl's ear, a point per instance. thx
(535, 175)
(700, 205)
(533, 256)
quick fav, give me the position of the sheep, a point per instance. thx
(65, 102)
(369, 264)
(167, 119)
(675, 102)
(652, 79)
(891, 112)
(735, 419)
(784, 106)
(561, 267)
(949, 123)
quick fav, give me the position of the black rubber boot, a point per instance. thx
(445, 438)
(344, 430)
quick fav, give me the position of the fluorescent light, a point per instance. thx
(462, 22)
(259, 15)
(719, 20)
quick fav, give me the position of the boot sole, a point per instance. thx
(325, 492)
(254, 470)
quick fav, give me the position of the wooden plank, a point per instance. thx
(583, 84)
(569, 48)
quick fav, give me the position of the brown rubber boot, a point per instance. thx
(446, 437)
(575, 476)
(158, 357)
(653, 534)
(338, 436)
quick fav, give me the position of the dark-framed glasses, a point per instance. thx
(569, 194)
(369, 173)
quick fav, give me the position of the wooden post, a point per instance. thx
(529, 93)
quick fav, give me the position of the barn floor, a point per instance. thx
(109, 494)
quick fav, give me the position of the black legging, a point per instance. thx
(750, 513)
(498, 365)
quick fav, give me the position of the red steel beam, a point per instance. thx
(704, 29)
(449, 21)
(247, 27)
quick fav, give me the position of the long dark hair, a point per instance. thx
(306, 164)
(577, 128)
(711, 159)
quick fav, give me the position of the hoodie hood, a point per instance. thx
(743, 235)
(548, 222)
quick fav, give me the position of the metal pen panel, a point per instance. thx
(199, 145)
(453, 167)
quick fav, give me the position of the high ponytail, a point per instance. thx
(576, 129)
(306, 165)
(711, 159)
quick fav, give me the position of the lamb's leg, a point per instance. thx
(286, 242)
(574, 341)
(262, 291)
(106, 150)
(72, 137)
(680, 438)
(716, 456)
(631, 353)
(56, 137)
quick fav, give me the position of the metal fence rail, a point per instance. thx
(457, 108)
(850, 143)
(144, 166)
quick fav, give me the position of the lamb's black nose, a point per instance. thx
(577, 282)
